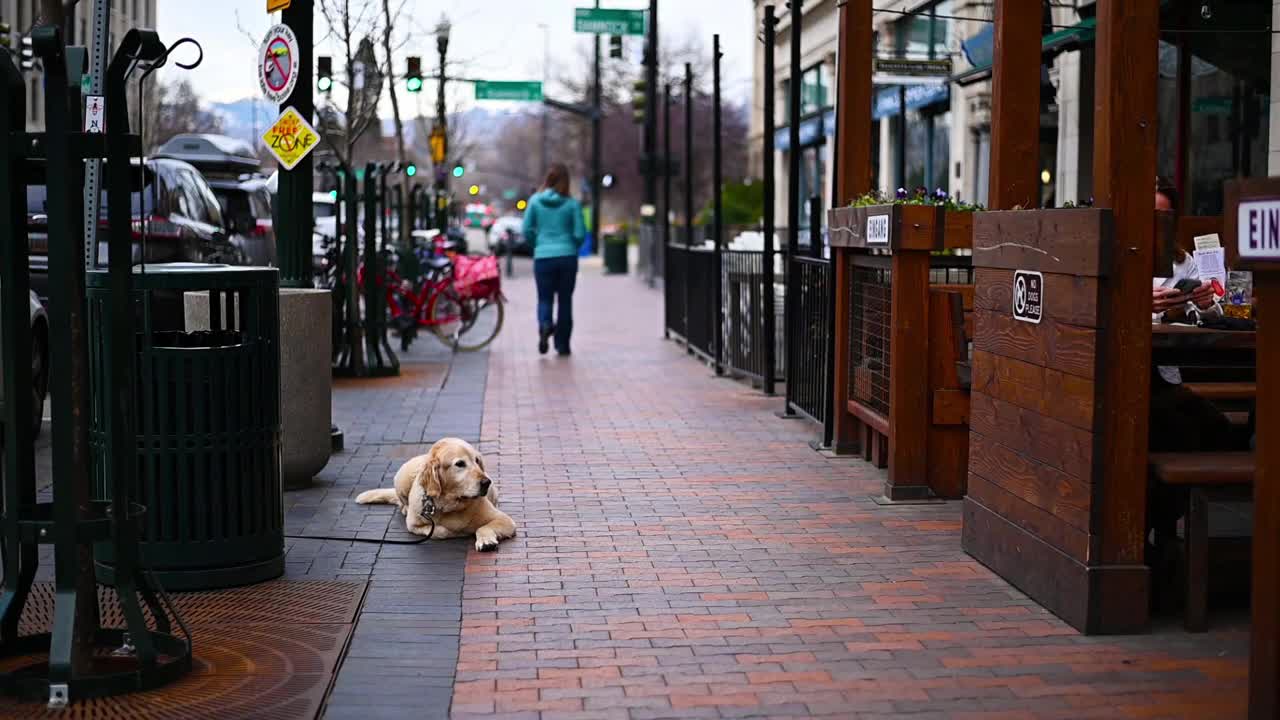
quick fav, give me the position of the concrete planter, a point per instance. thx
(306, 394)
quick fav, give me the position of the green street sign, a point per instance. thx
(504, 90)
(608, 21)
(509, 194)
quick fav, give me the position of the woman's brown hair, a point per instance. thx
(557, 179)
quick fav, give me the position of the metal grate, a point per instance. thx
(267, 651)
(869, 324)
(808, 382)
(745, 285)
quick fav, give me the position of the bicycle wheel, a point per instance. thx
(466, 324)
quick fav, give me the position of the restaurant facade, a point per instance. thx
(931, 116)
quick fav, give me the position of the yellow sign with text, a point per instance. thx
(290, 138)
(277, 5)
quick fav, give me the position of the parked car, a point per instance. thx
(39, 364)
(233, 172)
(175, 218)
(508, 230)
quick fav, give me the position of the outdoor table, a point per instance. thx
(1188, 345)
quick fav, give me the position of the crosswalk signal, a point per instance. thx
(615, 46)
(639, 100)
(413, 78)
(324, 73)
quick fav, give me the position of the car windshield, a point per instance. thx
(234, 203)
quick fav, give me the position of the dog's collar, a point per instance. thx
(428, 509)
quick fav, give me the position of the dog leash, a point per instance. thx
(427, 512)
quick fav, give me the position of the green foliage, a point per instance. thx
(920, 197)
(743, 205)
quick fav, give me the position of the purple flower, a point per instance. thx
(902, 193)
(921, 191)
(940, 195)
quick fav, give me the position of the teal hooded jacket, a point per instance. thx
(553, 225)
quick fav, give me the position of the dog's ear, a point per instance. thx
(432, 476)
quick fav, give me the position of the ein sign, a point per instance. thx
(1258, 229)
(877, 229)
(1028, 296)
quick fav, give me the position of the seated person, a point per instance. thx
(1182, 421)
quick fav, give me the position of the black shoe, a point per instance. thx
(543, 336)
(563, 353)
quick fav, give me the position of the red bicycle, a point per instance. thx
(465, 313)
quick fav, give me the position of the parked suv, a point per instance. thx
(234, 173)
(175, 218)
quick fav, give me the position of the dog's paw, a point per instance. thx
(486, 544)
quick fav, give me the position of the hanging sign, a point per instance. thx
(1028, 296)
(277, 5)
(290, 138)
(278, 63)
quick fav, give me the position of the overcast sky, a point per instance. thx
(495, 39)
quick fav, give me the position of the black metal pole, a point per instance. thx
(293, 233)
(793, 192)
(667, 165)
(442, 121)
(596, 158)
(688, 198)
(651, 59)
(829, 350)
(717, 186)
(770, 322)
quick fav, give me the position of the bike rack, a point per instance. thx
(84, 658)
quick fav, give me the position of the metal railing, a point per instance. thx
(700, 276)
(809, 375)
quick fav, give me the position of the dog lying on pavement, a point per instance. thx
(446, 494)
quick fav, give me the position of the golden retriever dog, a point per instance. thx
(445, 494)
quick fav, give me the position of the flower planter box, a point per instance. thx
(909, 227)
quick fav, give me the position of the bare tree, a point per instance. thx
(171, 109)
(352, 24)
(389, 21)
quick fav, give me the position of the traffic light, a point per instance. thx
(324, 73)
(459, 171)
(27, 54)
(615, 46)
(413, 78)
(606, 181)
(521, 204)
(474, 189)
(639, 100)
(5, 31)
(410, 170)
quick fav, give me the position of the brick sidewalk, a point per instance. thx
(684, 554)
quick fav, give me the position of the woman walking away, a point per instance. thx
(553, 226)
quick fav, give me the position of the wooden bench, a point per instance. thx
(1224, 391)
(1201, 476)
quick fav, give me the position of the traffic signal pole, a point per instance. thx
(650, 150)
(595, 149)
(294, 232)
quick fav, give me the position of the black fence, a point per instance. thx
(809, 378)
(674, 290)
(700, 285)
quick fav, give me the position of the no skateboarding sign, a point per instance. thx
(278, 63)
(290, 138)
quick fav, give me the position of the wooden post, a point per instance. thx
(1125, 134)
(1252, 239)
(853, 178)
(1015, 106)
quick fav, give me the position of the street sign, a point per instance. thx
(877, 229)
(1258, 229)
(278, 5)
(504, 90)
(290, 138)
(278, 63)
(95, 116)
(1028, 296)
(911, 67)
(608, 21)
(438, 145)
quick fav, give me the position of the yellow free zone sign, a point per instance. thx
(290, 138)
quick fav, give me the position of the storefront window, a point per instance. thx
(924, 34)
(814, 89)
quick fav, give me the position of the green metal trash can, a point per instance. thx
(208, 426)
(615, 254)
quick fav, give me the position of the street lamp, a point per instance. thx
(442, 45)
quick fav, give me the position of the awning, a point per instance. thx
(813, 130)
(887, 100)
(979, 49)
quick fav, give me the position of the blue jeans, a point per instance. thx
(556, 277)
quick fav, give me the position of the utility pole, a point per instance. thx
(793, 193)
(595, 149)
(442, 122)
(294, 195)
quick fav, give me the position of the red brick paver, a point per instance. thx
(684, 554)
